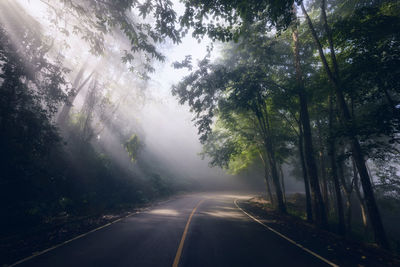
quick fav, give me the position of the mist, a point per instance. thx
(133, 127)
(124, 104)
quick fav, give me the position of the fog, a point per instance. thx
(110, 107)
(124, 104)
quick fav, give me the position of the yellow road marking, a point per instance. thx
(180, 248)
(287, 238)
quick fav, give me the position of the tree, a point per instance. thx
(94, 20)
(312, 172)
(235, 144)
(31, 88)
(239, 88)
(350, 52)
(346, 118)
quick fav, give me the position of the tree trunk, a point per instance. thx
(347, 189)
(263, 120)
(271, 199)
(282, 182)
(305, 177)
(266, 175)
(375, 217)
(275, 180)
(348, 212)
(318, 203)
(334, 173)
(324, 182)
(360, 198)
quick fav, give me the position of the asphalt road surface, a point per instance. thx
(208, 228)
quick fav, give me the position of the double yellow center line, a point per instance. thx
(180, 248)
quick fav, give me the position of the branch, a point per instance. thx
(319, 46)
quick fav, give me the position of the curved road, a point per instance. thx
(218, 234)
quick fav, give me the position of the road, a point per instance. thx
(217, 234)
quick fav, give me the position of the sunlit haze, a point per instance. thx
(199, 133)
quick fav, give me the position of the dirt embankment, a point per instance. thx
(337, 249)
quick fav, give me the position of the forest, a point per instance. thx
(310, 84)
(306, 89)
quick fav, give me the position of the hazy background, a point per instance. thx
(146, 108)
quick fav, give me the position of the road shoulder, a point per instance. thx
(330, 246)
(13, 249)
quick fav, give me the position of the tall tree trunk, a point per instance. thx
(318, 203)
(348, 212)
(324, 181)
(347, 189)
(305, 177)
(266, 176)
(332, 193)
(263, 120)
(360, 199)
(282, 182)
(272, 164)
(275, 180)
(334, 171)
(267, 184)
(375, 217)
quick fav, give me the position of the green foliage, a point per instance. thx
(225, 20)
(133, 147)
(94, 21)
(30, 90)
(369, 43)
(236, 94)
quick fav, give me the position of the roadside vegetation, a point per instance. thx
(340, 250)
(71, 147)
